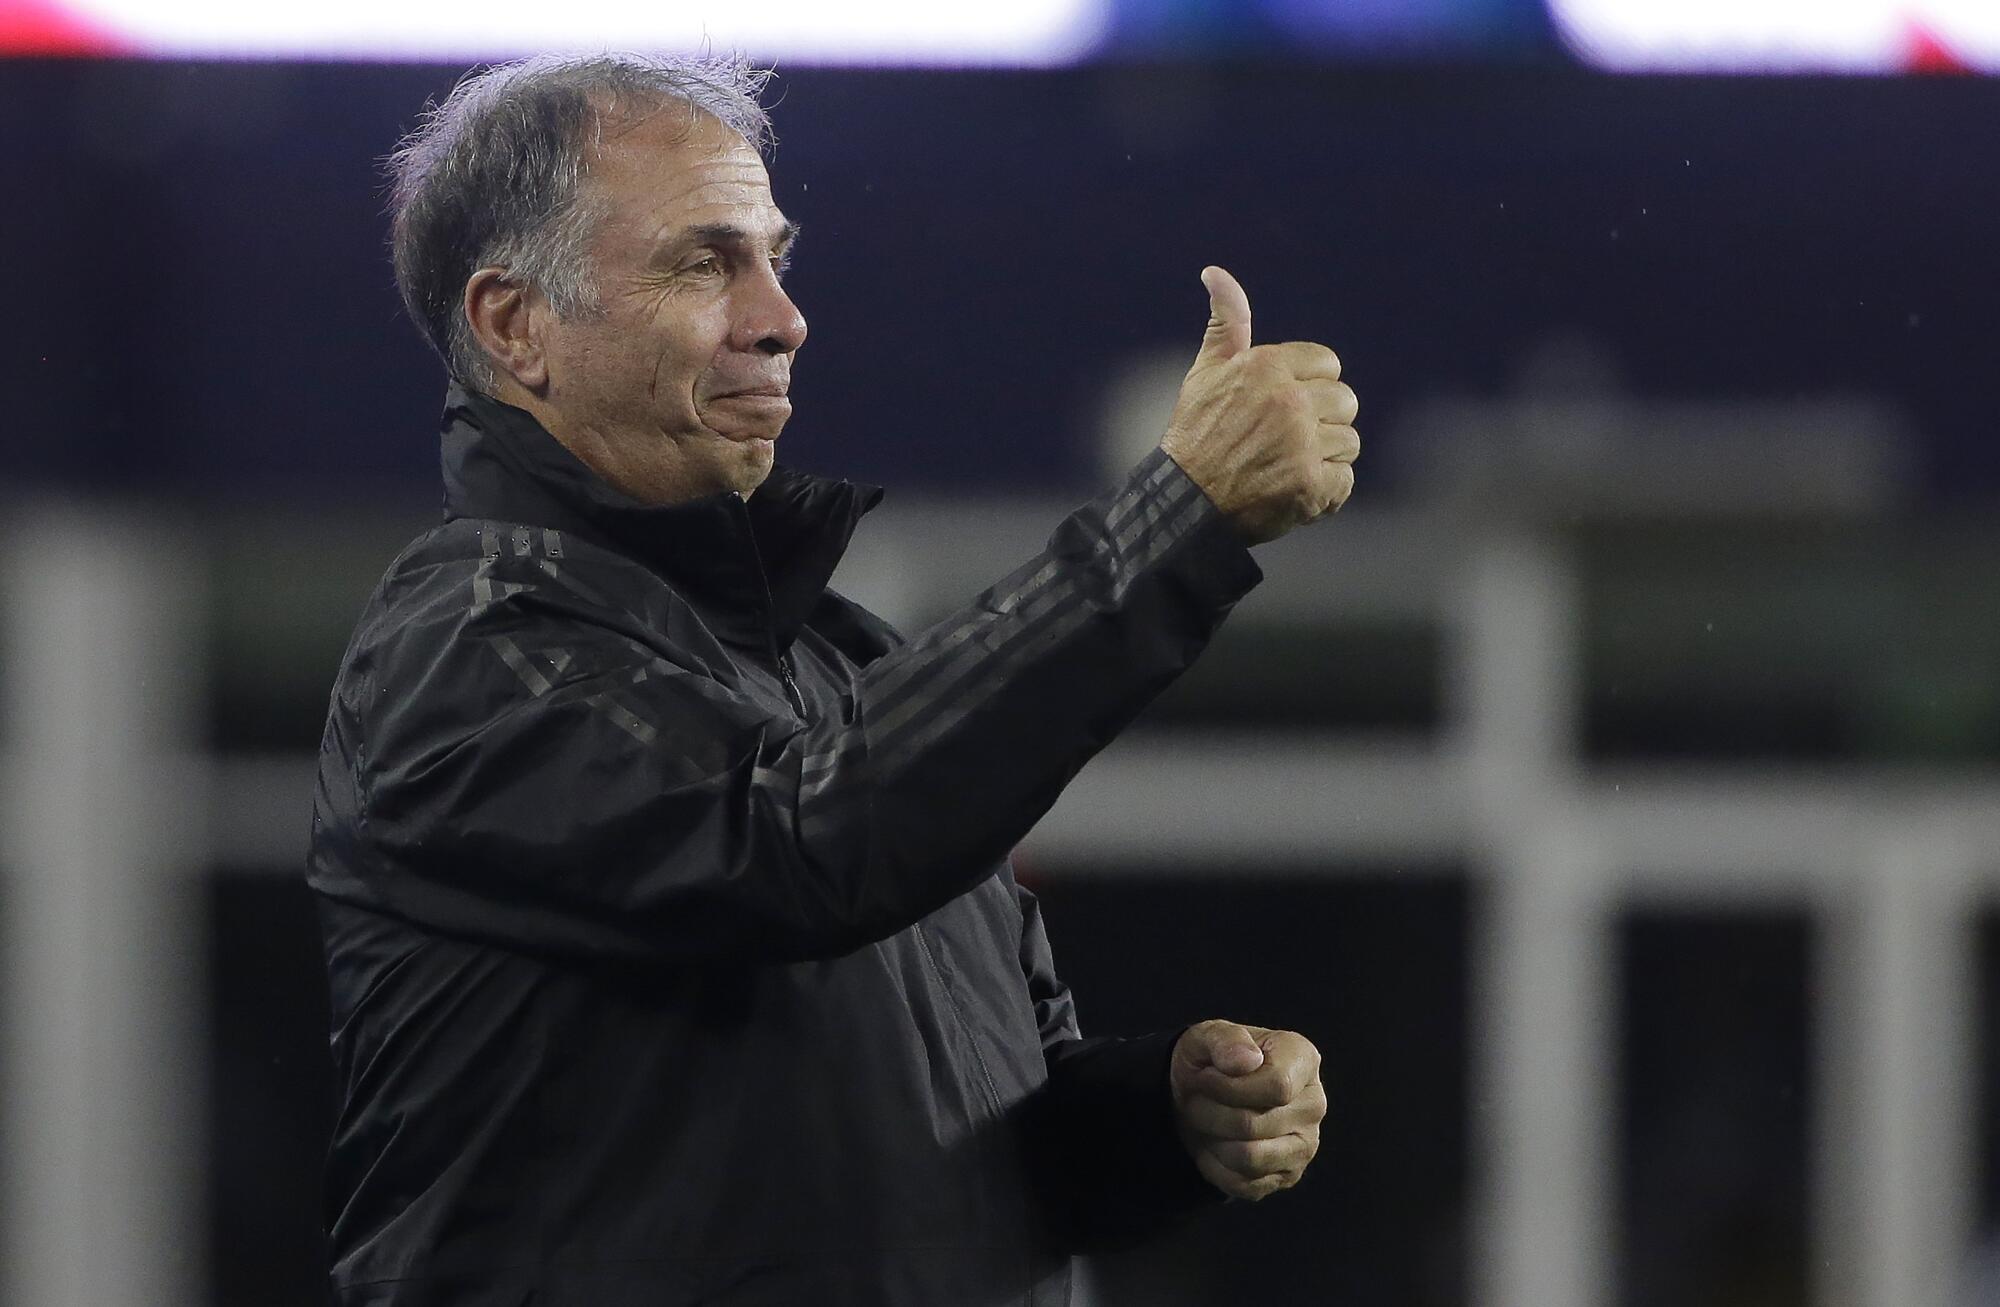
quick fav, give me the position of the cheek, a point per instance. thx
(678, 364)
(669, 360)
(640, 360)
(620, 366)
(694, 341)
(585, 359)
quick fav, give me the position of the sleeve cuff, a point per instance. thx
(1160, 517)
(1111, 1100)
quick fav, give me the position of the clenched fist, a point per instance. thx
(1267, 431)
(1249, 1103)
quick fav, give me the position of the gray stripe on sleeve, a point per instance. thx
(901, 738)
(942, 707)
(626, 720)
(1125, 518)
(1137, 544)
(531, 676)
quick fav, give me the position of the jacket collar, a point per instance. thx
(756, 567)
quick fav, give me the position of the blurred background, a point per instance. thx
(1612, 792)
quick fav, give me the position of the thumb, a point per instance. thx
(1228, 331)
(1224, 1045)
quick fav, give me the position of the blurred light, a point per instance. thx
(1402, 24)
(1016, 32)
(1863, 36)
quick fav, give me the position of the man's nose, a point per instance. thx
(770, 323)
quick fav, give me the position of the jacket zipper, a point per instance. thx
(791, 685)
(778, 657)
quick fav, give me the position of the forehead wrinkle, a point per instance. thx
(750, 190)
(731, 194)
(690, 163)
(765, 222)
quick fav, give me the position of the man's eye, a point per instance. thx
(706, 266)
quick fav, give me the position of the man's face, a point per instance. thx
(677, 389)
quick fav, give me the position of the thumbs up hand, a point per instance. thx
(1265, 430)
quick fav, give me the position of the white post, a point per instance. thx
(1896, 1136)
(1541, 1098)
(102, 1058)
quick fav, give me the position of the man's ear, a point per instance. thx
(507, 320)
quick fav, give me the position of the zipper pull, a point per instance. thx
(791, 686)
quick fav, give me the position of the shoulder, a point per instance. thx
(477, 573)
(478, 604)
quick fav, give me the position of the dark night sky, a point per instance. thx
(209, 314)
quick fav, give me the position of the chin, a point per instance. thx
(752, 466)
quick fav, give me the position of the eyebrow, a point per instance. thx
(728, 233)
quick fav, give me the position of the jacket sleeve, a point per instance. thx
(540, 777)
(1103, 1150)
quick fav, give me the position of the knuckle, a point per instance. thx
(1261, 362)
(1286, 400)
(1311, 356)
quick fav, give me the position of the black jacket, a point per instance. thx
(673, 949)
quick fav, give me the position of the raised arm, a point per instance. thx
(531, 771)
(523, 765)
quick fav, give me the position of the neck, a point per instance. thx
(647, 482)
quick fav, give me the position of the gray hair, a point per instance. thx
(492, 177)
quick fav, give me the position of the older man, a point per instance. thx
(674, 953)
